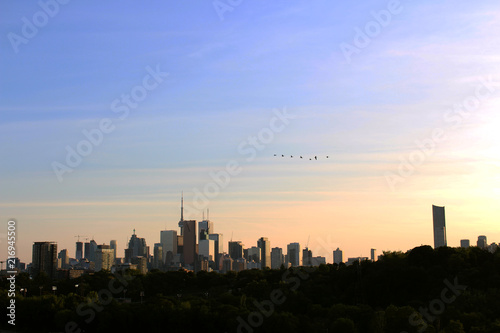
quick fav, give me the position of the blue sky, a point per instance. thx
(225, 78)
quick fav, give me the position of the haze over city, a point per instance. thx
(402, 97)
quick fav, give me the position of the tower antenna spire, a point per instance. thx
(182, 206)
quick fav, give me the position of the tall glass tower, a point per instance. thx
(439, 226)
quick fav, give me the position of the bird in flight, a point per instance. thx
(300, 156)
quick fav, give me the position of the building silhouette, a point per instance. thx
(112, 244)
(265, 252)
(465, 243)
(44, 259)
(206, 249)
(218, 245)
(438, 218)
(188, 233)
(136, 248)
(338, 256)
(92, 251)
(168, 240)
(277, 258)
(63, 259)
(205, 227)
(105, 258)
(293, 253)
(158, 262)
(482, 242)
(252, 254)
(306, 257)
(235, 249)
(79, 250)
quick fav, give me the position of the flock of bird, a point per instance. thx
(291, 156)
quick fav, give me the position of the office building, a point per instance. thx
(86, 250)
(482, 242)
(465, 243)
(373, 254)
(142, 264)
(44, 259)
(158, 262)
(235, 249)
(277, 258)
(218, 245)
(168, 240)
(189, 239)
(351, 261)
(188, 233)
(205, 227)
(112, 245)
(63, 259)
(338, 256)
(306, 257)
(294, 255)
(206, 249)
(253, 254)
(265, 252)
(227, 265)
(316, 261)
(136, 248)
(79, 250)
(104, 258)
(92, 250)
(438, 218)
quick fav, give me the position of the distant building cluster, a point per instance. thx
(196, 247)
(439, 224)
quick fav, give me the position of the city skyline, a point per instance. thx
(105, 119)
(318, 245)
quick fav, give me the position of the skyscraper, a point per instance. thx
(338, 256)
(168, 240)
(158, 261)
(253, 254)
(205, 227)
(373, 254)
(465, 243)
(105, 258)
(265, 252)
(79, 250)
(112, 245)
(86, 253)
(136, 248)
(63, 256)
(218, 244)
(482, 242)
(439, 226)
(306, 257)
(235, 249)
(189, 235)
(294, 255)
(277, 258)
(92, 250)
(44, 258)
(206, 248)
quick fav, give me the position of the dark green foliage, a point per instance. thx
(391, 295)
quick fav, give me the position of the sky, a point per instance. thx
(109, 111)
